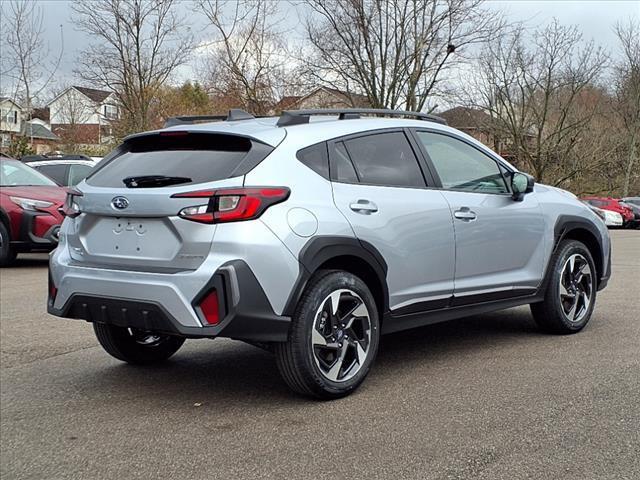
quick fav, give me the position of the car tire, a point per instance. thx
(7, 254)
(136, 346)
(333, 339)
(570, 293)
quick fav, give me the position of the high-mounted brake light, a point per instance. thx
(231, 204)
(174, 134)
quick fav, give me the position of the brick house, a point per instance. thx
(41, 139)
(83, 116)
(322, 97)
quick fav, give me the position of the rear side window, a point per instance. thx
(385, 159)
(315, 157)
(344, 170)
(194, 157)
(77, 173)
(57, 173)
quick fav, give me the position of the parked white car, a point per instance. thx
(66, 173)
(610, 218)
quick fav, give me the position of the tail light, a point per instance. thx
(70, 207)
(231, 204)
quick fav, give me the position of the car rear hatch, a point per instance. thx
(127, 211)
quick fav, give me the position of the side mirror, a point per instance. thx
(521, 184)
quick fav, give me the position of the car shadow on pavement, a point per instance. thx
(472, 332)
(34, 260)
(249, 375)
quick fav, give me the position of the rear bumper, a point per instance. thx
(244, 309)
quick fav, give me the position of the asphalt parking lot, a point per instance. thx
(485, 397)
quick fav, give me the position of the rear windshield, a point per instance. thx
(190, 157)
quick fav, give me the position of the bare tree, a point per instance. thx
(538, 87)
(138, 45)
(627, 88)
(25, 57)
(248, 61)
(395, 52)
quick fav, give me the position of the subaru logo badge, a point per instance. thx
(120, 203)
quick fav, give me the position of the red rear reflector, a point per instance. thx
(210, 307)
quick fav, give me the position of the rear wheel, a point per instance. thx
(136, 346)
(7, 254)
(334, 337)
(570, 295)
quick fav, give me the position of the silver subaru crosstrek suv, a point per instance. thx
(313, 233)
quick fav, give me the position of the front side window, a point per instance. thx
(462, 167)
(385, 159)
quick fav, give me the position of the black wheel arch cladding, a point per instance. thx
(321, 250)
(580, 229)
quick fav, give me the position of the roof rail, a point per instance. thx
(234, 114)
(298, 117)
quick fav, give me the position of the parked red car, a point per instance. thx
(29, 216)
(613, 204)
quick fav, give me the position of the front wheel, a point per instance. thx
(7, 254)
(570, 295)
(136, 346)
(333, 339)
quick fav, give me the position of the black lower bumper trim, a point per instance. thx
(251, 318)
(27, 241)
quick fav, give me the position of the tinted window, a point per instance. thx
(58, 173)
(315, 157)
(77, 173)
(385, 159)
(14, 174)
(462, 167)
(198, 157)
(344, 171)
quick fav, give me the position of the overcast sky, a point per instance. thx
(594, 18)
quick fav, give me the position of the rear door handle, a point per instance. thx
(464, 213)
(364, 206)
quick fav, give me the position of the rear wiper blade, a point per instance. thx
(148, 181)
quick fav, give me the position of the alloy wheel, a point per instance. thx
(145, 338)
(341, 335)
(576, 288)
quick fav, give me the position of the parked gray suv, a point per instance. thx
(311, 235)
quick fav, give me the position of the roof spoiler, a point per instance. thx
(235, 114)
